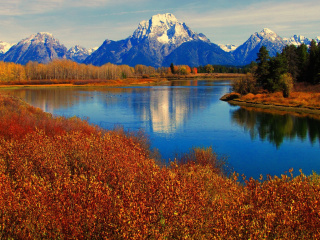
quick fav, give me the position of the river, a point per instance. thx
(186, 114)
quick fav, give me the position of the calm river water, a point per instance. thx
(188, 114)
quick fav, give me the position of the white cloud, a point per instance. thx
(257, 14)
(94, 3)
(23, 7)
(100, 19)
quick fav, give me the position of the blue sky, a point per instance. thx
(89, 22)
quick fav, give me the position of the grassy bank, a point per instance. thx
(63, 178)
(304, 99)
(131, 81)
(75, 83)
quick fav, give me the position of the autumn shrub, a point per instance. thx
(286, 82)
(282, 208)
(19, 118)
(204, 157)
(245, 85)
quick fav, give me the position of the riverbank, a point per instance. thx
(87, 83)
(298, 102)
(133, 81)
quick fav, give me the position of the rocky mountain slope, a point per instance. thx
(199, 53)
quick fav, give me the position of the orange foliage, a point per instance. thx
(62, 179)
(195, 70)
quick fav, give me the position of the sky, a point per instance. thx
(89, 22)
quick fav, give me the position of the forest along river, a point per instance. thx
(189, 114)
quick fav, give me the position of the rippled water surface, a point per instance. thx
(189, 113)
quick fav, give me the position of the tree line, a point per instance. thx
(62, 69)
(293, 64)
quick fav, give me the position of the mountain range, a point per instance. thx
(160, 41)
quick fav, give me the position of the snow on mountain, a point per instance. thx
(266, 33)
(228, 47)
(4, 47)
(297, 40)
(41, 47)
(41, 37)
(91, 50)
(166, 29)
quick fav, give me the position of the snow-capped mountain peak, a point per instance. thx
(166, 29)
(41, 47)
(269, 34)
(150, 44)
(168, 19)
(267, 31)
(41, 37)
(247, 52)
(45, 34)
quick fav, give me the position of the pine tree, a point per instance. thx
(292, 60)
(313, 63)
(303, 56)
(172, 68)
(278, 66)
(262, 72)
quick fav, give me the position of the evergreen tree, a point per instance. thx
(303, 56)
(313, 68)
(172, 68)
(317, 80)
(278, 67)
(290, 53)
(262, 72)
